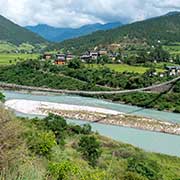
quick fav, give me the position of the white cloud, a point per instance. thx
(74, 13)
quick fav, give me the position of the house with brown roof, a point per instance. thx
(60, 59)
(47, 56)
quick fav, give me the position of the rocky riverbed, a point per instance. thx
(124, 120)
(92, 114)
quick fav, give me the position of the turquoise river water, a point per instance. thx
(150, 141)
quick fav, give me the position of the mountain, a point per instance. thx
(59, 34)
(16, 34)
(172, 13)
(164, 28)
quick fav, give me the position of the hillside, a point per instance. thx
(16, 34)
(164, 28)
(59, 34)
(54, 149)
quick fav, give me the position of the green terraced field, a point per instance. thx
(173, 49)
(6, 59)
(124, 67)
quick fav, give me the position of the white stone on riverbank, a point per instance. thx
(35, 107)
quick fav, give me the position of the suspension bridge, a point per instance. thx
(162, 87)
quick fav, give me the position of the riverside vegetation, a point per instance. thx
(52, 149)
(76, 76)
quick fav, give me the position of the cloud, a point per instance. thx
(74, 13)
(168, 4)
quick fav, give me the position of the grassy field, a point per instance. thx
(173, 49)
(6, 59)
(124, 67)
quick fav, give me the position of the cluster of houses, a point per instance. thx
(173, 70)
(62, 59)
(93, 55)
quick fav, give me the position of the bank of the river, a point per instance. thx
(150, 141)
(89, 101)
(93, 114)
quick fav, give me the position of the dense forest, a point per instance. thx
(164, 29)
(54, 149)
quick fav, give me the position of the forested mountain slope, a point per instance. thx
(164, 28)
(16, 34)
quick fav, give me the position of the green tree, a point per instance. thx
(90, 149)
(86, 129)
(57, 125)
(75, 64)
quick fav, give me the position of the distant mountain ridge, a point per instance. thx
(164, 28)
(16, 34)
(60, 34)
(172, 13)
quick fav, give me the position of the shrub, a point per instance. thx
(58, 125)
(177, 87)
(55, 123)
(75, 129)
(75, 64)
(133, 176)
(144, 166)
(2, 97)
(97, 174)
(41, 143)
(177, 109)
(86, 129)
(64, 170)
(90, 149)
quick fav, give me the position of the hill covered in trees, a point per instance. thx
(16, 34)
(163, 28)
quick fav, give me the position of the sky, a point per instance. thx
(75, 13)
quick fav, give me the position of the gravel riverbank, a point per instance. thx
(93, 114)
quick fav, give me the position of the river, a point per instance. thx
(150, 141)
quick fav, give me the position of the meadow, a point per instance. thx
(7, 59)
(124, 67)
(173, 49)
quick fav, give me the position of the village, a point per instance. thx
(91, 57)
(87, 57)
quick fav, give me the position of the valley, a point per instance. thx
(99, 102)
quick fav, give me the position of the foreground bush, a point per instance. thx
(63, 171)
(133, 176)
(89, 146)
(145, 167)
(41, 143)
(57, 125)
